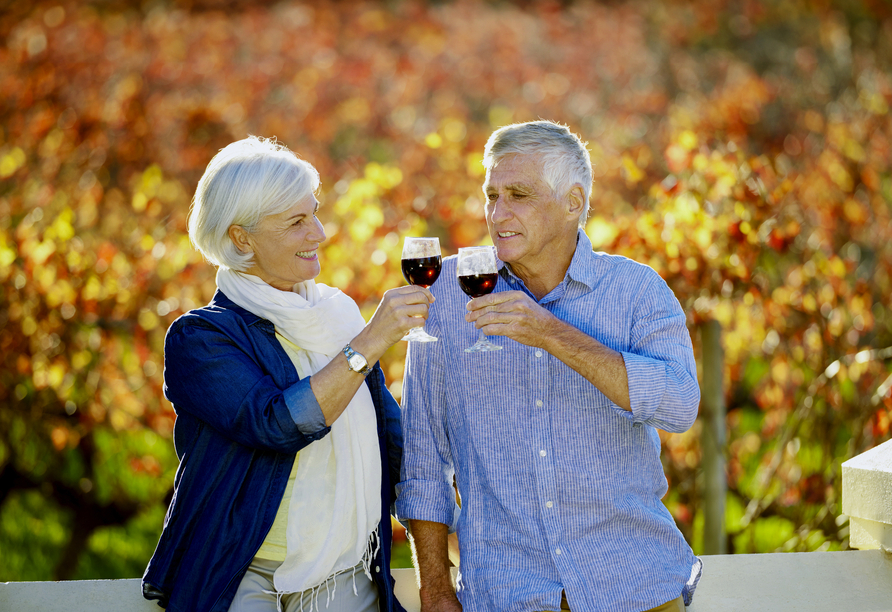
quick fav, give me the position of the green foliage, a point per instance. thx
(741, 149)
(33, 533)
(121, 552)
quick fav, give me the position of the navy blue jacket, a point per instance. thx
(238, 400)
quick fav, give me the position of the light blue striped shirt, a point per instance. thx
(560, 488)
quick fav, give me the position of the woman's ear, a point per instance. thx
(240, 238)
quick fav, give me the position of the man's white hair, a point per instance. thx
(564, 156)
(245, 181)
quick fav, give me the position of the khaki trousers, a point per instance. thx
(676, 605)
(256, 592)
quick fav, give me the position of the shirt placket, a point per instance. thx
(543, 455)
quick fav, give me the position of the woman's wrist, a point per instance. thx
(369, 348)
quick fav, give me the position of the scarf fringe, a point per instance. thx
(371, 551)
(330, 583)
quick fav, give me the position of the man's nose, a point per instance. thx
(500, 211)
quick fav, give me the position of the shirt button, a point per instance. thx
(538, 353)
(558, 551)
(539, 403)
(377, 569)
(548, 504)
(542, 453)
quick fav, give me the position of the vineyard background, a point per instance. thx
(741, 148)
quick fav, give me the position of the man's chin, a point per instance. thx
(506, 253)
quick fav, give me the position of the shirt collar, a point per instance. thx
(583, 268)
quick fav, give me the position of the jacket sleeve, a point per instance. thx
(210, 376)
(662, 373)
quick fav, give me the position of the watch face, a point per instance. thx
(357, 362)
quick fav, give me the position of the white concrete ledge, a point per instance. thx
(867, 497)
(850, 581)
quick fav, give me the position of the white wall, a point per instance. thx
(850, 581)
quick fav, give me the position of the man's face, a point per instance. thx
(528, 225)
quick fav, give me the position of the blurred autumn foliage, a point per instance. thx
(741, 148)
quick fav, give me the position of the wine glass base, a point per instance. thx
(482, 347)
(417, 334)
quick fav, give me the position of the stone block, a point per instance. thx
(867, 497)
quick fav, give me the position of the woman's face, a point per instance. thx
(284, 245)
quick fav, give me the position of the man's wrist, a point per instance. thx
(429, 597)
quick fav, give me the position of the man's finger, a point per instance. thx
(493, 299)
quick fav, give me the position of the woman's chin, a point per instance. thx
(311, 271)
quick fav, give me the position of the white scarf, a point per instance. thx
(336, 502)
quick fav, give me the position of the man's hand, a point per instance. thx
(513, 314)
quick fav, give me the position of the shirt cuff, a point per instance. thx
(304, 408)
(425, 500)
(647, 385)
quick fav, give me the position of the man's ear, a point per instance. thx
(240, 238)
(577, 203)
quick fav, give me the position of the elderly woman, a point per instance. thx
(288, 439)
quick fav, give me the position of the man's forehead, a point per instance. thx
(513, 169)
(516, 160)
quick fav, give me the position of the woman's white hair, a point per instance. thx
(564, 156)
(246, 181)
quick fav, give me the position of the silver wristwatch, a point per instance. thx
(356, 361)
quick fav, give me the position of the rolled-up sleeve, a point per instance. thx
(304, 407)
(662, 373)
(209, 376)
(425, 490)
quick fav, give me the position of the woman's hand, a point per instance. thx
(400, 310)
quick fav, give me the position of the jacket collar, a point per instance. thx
(222, 301)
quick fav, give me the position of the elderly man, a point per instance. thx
(552, 440)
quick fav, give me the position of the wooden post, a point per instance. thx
(712, 440)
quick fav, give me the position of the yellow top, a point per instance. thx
(275, 546)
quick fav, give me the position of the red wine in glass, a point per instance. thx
(422, 271)
(477, 271)
(475, 285)
(420, 263)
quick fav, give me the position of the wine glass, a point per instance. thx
(477, 275)
(421, 263)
